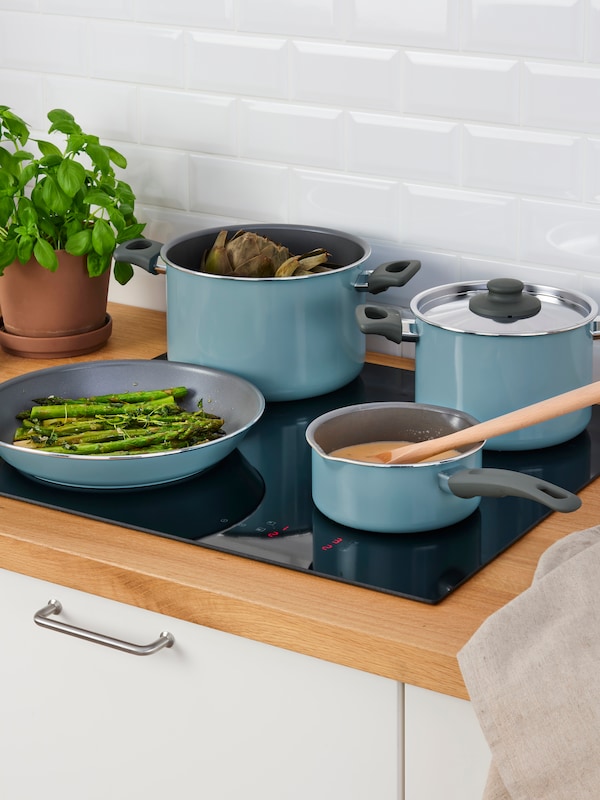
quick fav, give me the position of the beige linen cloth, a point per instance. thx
(533, 674)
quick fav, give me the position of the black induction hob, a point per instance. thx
(257, 503)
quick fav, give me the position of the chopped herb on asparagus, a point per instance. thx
(126, 423)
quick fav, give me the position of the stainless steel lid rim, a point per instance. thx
(447, 307)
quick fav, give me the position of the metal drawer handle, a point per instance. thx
(42, 617)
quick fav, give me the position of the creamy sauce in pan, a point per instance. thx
(368, 451)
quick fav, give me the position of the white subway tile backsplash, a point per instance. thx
(291, 133)
(462, 221)
(464, 130)
(427, 23)
(365, 206)
(238, 64)
(562, 235)
(464, 87)
(404, 147)
(213, 14)
(196, 122)
(513, 160)
(236, 188)
(137, 53)
(293, 18)
(545, 28)
(345, 75)
(103, 108)
(40, 43)
(561, 96)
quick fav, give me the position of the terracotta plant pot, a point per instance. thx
(57, 313)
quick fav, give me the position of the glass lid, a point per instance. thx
(503, 307)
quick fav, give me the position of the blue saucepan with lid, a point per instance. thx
(491, 347)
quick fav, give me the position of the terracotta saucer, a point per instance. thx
(55, 346)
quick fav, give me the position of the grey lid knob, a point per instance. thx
(505, 301)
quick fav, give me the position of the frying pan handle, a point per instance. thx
(141, 252)
(503, 482)
(392, 273)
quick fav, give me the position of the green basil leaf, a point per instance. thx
(70, 176)
(123, 272)
(97, 264)
(48, 148)
(103, 238)
(45, 255)
(24, 248)
(8, 253)
(80, 243)
(53, 195)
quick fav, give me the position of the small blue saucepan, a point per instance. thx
(408, 498)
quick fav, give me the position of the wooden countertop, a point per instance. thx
(363, 629)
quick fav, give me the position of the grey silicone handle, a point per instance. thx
(380, 319)
(141, 252)
(505, 301)
(503, 482)
(392, 273)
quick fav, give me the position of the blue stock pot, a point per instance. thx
(487, 348)
(292, 337)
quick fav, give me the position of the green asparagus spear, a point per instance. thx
(123, 397)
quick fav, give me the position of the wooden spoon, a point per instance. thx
(507, 423)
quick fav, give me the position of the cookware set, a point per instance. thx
(483, 349)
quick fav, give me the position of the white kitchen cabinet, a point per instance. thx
(216, 716)
(446, 752)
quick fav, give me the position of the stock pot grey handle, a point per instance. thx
(43, 618)
(384, 320)
(488, 482)
(143, 253)
(392, 273)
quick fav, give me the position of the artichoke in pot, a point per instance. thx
(250, 255)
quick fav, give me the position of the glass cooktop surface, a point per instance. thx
(257, 503)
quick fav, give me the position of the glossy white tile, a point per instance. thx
(22, 92)
(460, 221)
(367, 207)
(38, 43)
(160, 177)
(427, 23)
(562, 235)
(592, 173)
(561, 96)
(593, 29)
(215, 14)
(237, 64)
(236, 188)
(113, 9)
(293, 17)
(345, 75)
(463, 87)
(198, 123)
(528, 162)
(136, 53)
(101, 107)
(541, 28)
(309, 135)
(404, 147)
(484, 269)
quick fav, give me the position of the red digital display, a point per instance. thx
(332, 543)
